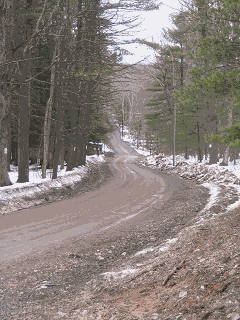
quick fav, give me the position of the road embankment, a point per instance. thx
(78, 181)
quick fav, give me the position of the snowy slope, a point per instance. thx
(35, 192)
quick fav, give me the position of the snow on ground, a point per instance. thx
(119, 274)
(218, 179)
(214, 176)
(24, 195)
(223, 183)
(35, 174)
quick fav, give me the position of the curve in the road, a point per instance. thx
(130, 192)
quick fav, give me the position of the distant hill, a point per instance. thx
(133, 81)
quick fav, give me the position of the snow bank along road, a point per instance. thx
(130, 191)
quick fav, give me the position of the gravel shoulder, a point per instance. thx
(190, 269)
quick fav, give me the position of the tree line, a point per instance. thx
(58, 59)
(197, 85)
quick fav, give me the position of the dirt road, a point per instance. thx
(49, 253)
(130, 191)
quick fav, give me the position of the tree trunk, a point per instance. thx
(186, 153)
(235, 156)
(226, 153)
(23, 28)
(70, 162)
(51, 153)
(14, 150)
(213, 150)
(77, 151)
(48, 115)
(62, 156)
(23, 136)
(8, 126)
(59, 143)
(213, 153)
(212, 118)
(4, 177)
(82, 147)
(206, 154)
(83, 131)
(199, 143)
(24, 118)
(199, 154)
(65, 55)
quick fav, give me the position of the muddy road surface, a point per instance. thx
(48, 254)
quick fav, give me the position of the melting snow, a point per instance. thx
(35, 176)
(119, 274)
(215, 176)
(237, 203)
(144, 251)
(214, 191)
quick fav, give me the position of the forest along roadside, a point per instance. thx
(72, 280)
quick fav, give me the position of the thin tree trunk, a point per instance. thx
(235, 156)
(186, 153)
(48, 115)
(213, 151)
(4, 177)
(14, 150)
(70, 163)
(211, 117)
(206, 154)
(51, 152)
(23, 28)
(199, 144)
(84, 123)
(70, 154)
(77, 151)
(8, 125)
(6, 30)
(226, 153)
(62, 155)
(59, 142)
(23, 136)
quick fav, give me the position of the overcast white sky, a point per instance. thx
(153, 22)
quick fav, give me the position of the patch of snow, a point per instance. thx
(119, 274)
(173, 240)
(159, 249)
(214, 192)
(237, 203)
(182, 294)
(164, 248)
(35, 176)
(23, 195)
(144, 251)
(143, 152)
